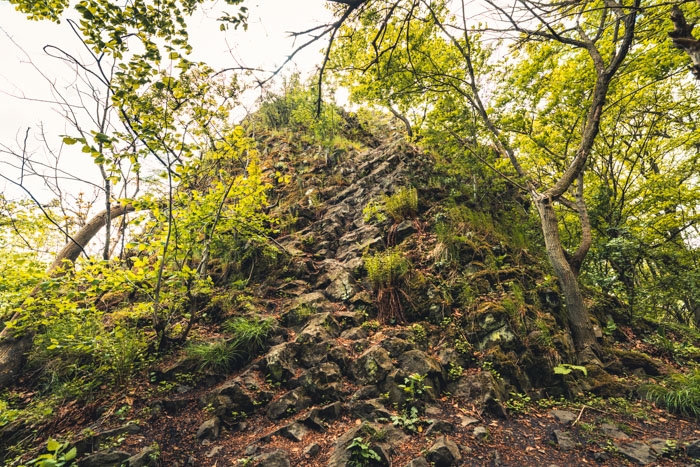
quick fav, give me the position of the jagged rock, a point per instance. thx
(312, 300)
(404, 230)
(467, 421)
(693, 449)
(209, 430)
(392, 437)
(418, 462)
(92, 442)
(294, 431)
(369, 410)
(323, 382)
(482, 389)
(281, 361)
(181, 366)
(355, 333)
(278, 458)
(636, 451)
(444, 453)
(105, 459)
(563, 416)
(318, 415)
(481, 433)
(174, 405)
(365, 392)
(634, 360)
(314, 339)
(148, 457)
(601, 456)
(372, 366)
(564, 440)
(292, 402)
(612, 431)
(391, 387)
(312, 450)
(213, 452)
(663, 447)
(439, 426)
(232, 396)
(341, 356)
(342, 285)
(396, 346)
(418, 362)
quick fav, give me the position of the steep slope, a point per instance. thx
(412, 327)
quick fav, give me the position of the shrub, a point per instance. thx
(386, 271)
(403, 204)
(678, 393)
(250, 334)
(217, 356)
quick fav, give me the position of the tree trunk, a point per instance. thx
(71, 251)
(577, 314)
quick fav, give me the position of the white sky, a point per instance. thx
(265, 44)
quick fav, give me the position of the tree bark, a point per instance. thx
(577, 315)
(71, 251)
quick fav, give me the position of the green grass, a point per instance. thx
(679, 393)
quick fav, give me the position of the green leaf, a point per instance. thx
(70, 455)
(52, 445)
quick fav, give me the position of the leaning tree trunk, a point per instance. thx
(13, 349)
(577, 314)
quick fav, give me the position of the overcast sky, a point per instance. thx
(25, 95)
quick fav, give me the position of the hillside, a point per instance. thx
(398, 313)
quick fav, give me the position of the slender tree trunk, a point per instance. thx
(578, 318)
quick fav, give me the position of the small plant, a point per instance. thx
(679, 393)
(566, 368)
(408, 420)
(518, 403)
(250, 334)
(420, 336)
(403, 204)
(454, 371)
(361, 453)
(217, 356)
(386, 271)
(371, 325)
(414, 386)
(373, 213)
(57, 456)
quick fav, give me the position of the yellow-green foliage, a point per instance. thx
(403, 204)
(385, 269)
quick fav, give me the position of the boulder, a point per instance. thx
(444, 453)
(105, 459)
(481, 389)
(418, 362)
(637, 452)
(277, 458)
(281, 361)
(372, 366)
(564, 440)
(209, 430)
(148, 457)
(290, 403)
(323, 382)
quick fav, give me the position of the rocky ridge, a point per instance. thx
(336, 389)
